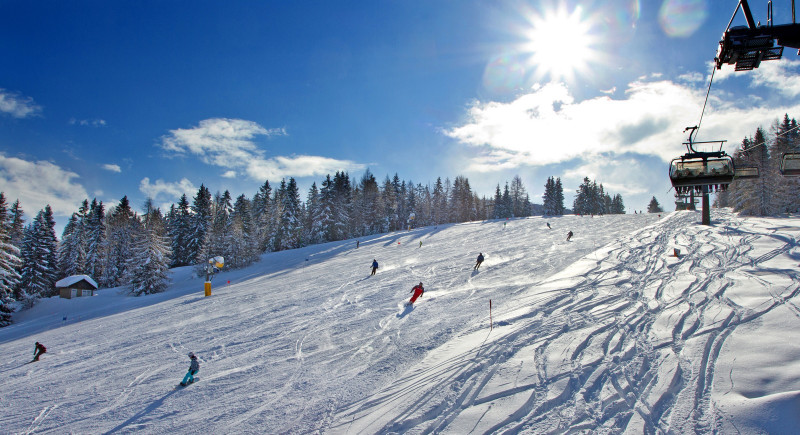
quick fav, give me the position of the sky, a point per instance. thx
(152, 99)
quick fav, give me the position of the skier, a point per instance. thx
(194, 367)
(418, 290)
(358, 242)
(478, 263)
(569, 235)
(548, 226)
(374, 266)
(38, 351)
(420, 243)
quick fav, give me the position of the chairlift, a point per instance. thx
(747, 46)
(696, 169)
(790, 165)
(746, 173)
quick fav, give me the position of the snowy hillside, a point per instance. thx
(603, 332)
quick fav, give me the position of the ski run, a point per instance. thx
(607, 333)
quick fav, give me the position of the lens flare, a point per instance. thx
(681, 18)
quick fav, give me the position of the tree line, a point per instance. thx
(124, 248)
(771, 193)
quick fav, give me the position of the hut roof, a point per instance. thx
(74, 279)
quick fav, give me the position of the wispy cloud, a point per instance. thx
(112, 167)
(39, 183)
(229, 144)
(161, 187)
(18, 106)
(96, 122)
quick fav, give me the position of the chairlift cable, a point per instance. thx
(708, 92)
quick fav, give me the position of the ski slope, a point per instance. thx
(604, 333)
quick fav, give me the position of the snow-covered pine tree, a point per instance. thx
(123, 224)
(243, 246)
(262, 212)
(343, 206)
(315, 233)
(439, 202)
(200, 222)
(38, 253)
(147, 267)
(559, 198)
(96, 246)
(179, 228)
(548, 198)
(786, 198)
(10, 264)
(617, 205)
(497, 205)
(16, 224)
(518, 197)
(217, 240)
(291, 218)
(654, 206)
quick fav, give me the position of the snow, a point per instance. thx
(606, 333)
(68, 281)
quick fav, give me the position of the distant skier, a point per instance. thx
(194, 367)
(38, 351)
(478, 263)
(569, 235)
(358, 242)
(420, 243)
(548, 226)
(374, 266)
(418, 290)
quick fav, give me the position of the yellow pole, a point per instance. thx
(208, 288)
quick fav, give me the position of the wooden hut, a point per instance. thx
(76, 286)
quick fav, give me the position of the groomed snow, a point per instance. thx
(604, 333)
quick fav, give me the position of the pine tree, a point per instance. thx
(654, 206)
(179, 227)
(291, 218)
(558, 198)
(147, 268)
(10, 264)
(243, 247)
(123, 225)
(262, 210)
(96, 246)
(16, 224)
(39, 265)
(201, 221)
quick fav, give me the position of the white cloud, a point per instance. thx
(692, 77)
(161, 187)
(37, 184)
(547, 126)
(112, 167)
(17, 106)
(228, 143)
(229, 174)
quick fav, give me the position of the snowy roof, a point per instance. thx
(70, 280)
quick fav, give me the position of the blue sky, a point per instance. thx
(104, 99)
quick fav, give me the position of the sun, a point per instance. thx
(560, 44)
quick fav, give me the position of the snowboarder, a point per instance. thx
(478, 263)
(374, 266)
(418, 290)
(38, 351)
(420, 243)
(548, 226)
(569, 235)
(194, 367)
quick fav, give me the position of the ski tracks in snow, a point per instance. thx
(615, 351)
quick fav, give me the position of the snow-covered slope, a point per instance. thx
(603, 332)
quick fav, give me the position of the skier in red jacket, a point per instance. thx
(418, 291)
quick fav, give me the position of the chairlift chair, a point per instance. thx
(746, 46)
(746, 173)
(790, 165)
